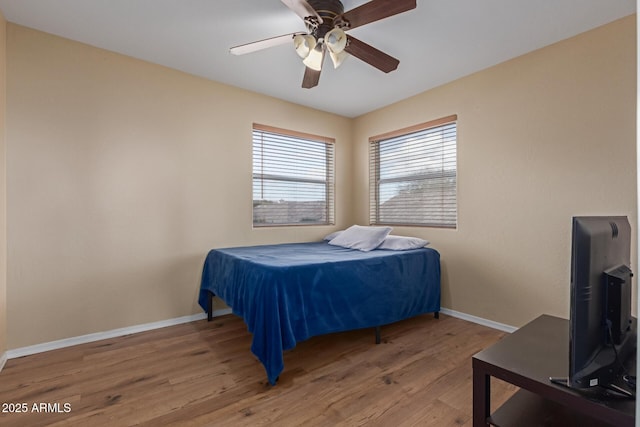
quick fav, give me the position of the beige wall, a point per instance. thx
(3, 192)
(541, 138)
(121, 176)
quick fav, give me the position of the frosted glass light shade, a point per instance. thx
(304, 44)
(337, 58)
(315, 57)
(336, 40)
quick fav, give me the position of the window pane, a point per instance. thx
(413, 178)
(292, 179)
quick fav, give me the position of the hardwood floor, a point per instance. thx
(203, 373)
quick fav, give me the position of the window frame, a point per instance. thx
(374, 172)
(329, 180)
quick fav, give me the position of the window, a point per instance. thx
(413, 175)
(292, 178)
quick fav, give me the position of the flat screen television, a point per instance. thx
(602, 334)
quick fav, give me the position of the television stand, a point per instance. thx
(527, 358)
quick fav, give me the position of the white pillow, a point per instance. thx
(332, 235)
(362, 238)
(402, 243)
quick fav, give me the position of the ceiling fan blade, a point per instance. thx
(311, 78)
(371, 55)
(302, 9)
(376, 10)
(262, 44)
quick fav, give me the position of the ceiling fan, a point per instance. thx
(327, 23)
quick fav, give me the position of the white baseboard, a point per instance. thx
(83, 339)
(478, 320)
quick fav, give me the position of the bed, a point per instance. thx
(288, 293)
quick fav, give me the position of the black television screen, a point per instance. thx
(602, 332)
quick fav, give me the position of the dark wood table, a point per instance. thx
(527, 358)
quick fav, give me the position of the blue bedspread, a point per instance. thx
(290, 292)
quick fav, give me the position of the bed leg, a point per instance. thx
(436, 315)
(377, 334)
(210, 296)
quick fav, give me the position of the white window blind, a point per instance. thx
(293, 178)
(413, 175)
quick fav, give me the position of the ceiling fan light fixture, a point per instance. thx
(336, 40)
(338, 58)
(304, 44)
(315, 57)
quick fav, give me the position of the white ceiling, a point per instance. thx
(439, 41)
